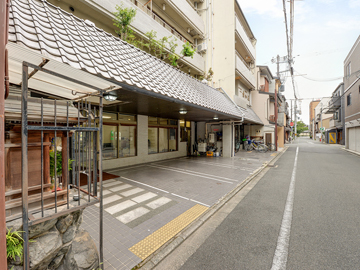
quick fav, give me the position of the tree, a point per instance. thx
(123, 19)
(301, 127)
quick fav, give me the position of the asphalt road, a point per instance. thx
(321, 222)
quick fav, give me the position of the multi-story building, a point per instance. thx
(312, 121)
(352, 98)
(322, 119)
(139, 129)
(336, 106)
(263, 102)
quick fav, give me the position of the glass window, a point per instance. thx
(172, 139)
(110, 141)
(153, 120)
(127, 119)
(153, 140)
(109, 116)
(127, 141)
(162, 135)
(163, 121)
(173, 122)
(349, 99)
(185, 130)
(163, 140)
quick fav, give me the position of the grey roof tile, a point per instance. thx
(64, 37)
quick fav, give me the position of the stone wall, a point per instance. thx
(60, 244)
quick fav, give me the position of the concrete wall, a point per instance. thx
(227, 141)
(224, 45)
(142, 149)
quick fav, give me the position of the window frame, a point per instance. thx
(168, 126)
(348, 100)
(118, 123)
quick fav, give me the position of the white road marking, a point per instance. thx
(211, 178)
(310, 142)
(159, 202)
(179, 169)
(110, 199)
(163, 190)
(119, 207)
(180, 196)
(282, 248)
(144, 197)
(132, 215)
(115, 189)
(112, 184)
(200, 203)
(131, 192)
(145, 184)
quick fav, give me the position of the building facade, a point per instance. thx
(312, 121)
(140, 122)
(335, 134)
(352, 98)
(322, 119)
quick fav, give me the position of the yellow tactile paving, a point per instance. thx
(150, 244)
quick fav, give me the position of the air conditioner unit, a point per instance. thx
(202, 47)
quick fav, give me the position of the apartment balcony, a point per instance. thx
(146, 21)
(272, 119)
(247, 47)
(240, 101)
(334, 104)
(244, 72)
(187, 12)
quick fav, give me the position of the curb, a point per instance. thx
(351, 151)
(161, 253)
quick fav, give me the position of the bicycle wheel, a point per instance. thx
(262, 148)
(248, 147)
(271, 147)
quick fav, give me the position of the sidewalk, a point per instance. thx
(149, 204)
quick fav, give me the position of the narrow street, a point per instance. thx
(323, 231)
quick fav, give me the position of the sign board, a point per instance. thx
(322, 128)
(291, 124)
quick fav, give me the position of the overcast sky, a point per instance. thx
(324, 32)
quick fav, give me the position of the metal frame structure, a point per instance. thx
(83, 155)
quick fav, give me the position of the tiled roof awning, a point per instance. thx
(57, 35)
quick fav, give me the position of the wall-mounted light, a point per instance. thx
(189, 29)
(164, 6)
(216, 118)
(110, 97)
(182, 111)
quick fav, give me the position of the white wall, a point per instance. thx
(227, 141)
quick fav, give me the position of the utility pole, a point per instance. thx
(295, 118)
(276, 108)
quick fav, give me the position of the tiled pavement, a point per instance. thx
(147, 197)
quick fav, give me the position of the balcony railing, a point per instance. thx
(156, 18)
(242, 33)
(244, 69)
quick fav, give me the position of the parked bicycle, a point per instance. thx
(271, 147)
(257, 146)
